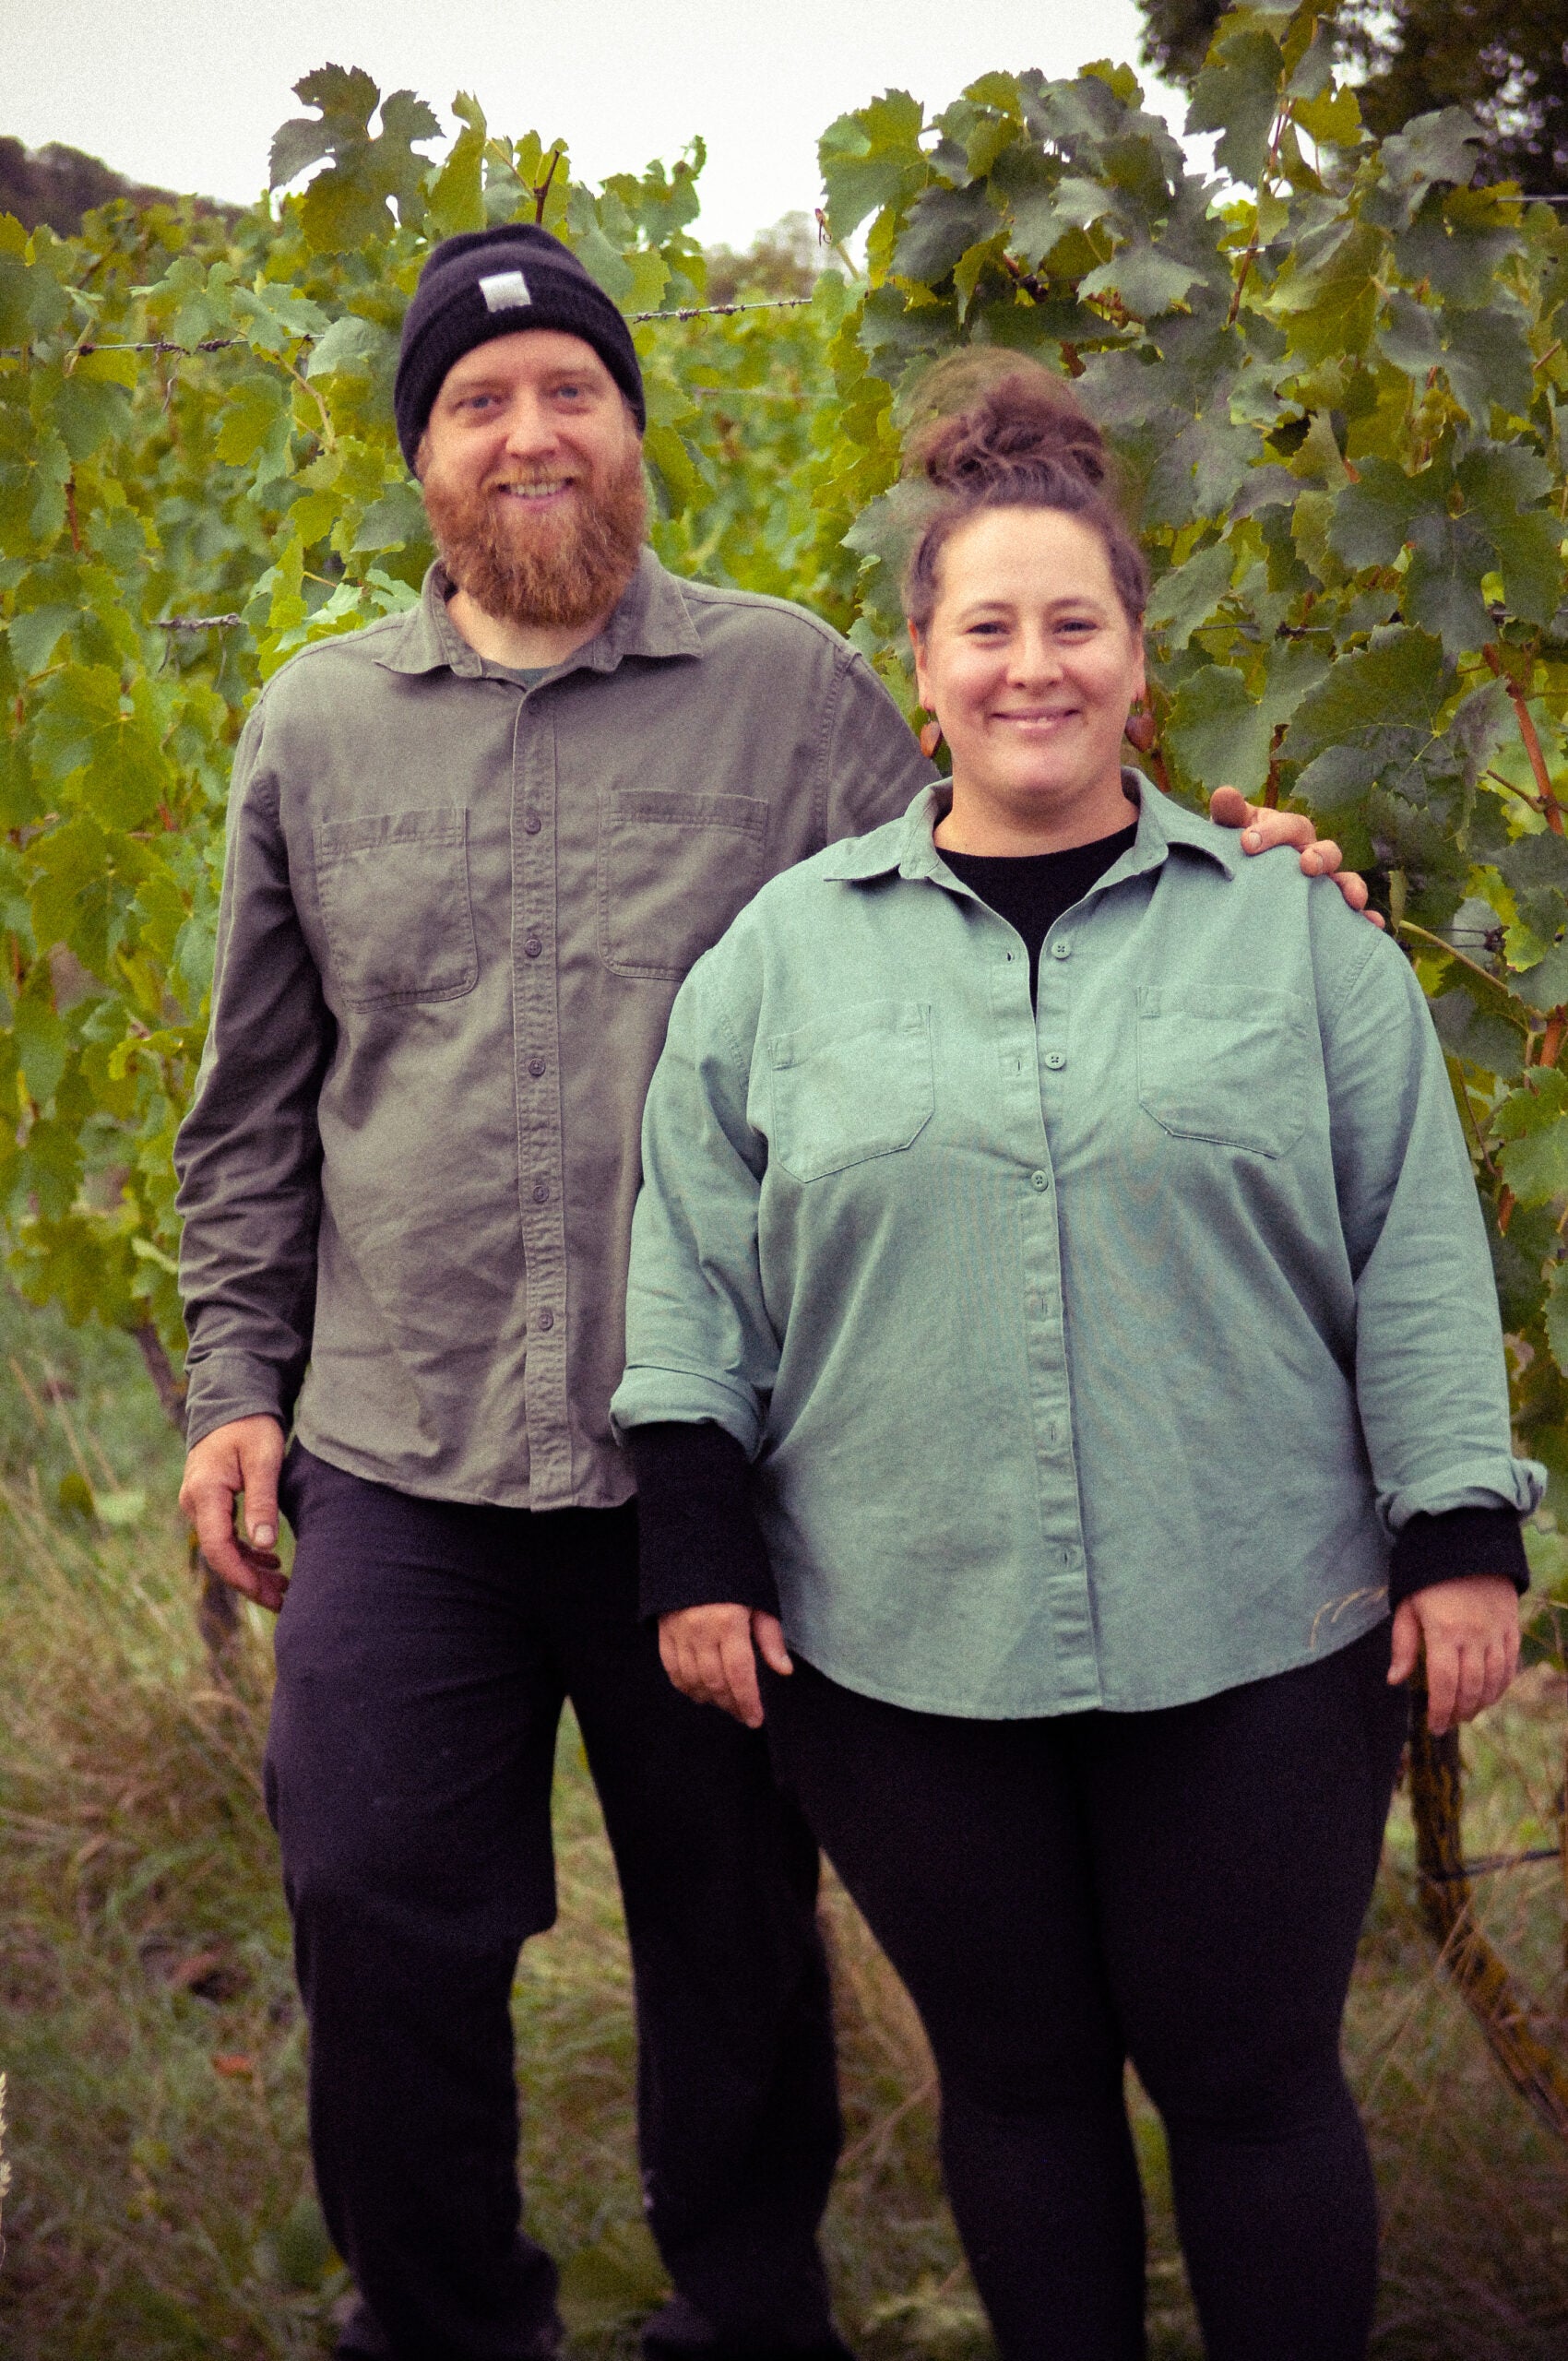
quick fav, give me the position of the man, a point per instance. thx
(473, 851)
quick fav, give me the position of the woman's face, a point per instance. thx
(1030, 664)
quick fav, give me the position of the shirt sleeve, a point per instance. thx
(698, 1542)
(1430, 1377)
(873, 766)
(699, 1342)
(248, 1153)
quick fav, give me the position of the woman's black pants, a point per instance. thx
(1183, 1888)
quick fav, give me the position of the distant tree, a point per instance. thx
(1505, 60)
(60, 185)
(784, 260)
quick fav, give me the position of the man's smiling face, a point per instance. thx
(531, 469)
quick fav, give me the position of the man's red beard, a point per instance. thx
(557, 572)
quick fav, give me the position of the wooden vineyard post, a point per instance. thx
(1490, 1992)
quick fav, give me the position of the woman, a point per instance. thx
(1071, 1222)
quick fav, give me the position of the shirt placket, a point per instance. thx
(1035, 1068)
(536, 989)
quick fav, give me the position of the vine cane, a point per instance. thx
(1489, 1991)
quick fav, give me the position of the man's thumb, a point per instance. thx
(261, 1504)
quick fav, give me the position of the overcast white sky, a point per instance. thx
(187, 93)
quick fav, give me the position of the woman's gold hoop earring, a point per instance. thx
(931, 739)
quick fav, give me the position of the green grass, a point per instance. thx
(161, 2204)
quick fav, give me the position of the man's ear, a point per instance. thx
(421, 453)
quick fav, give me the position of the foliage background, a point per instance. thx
(1336, 382)
(1339, 388)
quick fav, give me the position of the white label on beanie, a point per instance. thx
(505, 290)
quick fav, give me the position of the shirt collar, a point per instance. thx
(907, 846)
(653, 619)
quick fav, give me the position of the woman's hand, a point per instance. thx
(1468, 1629)
(710, 1653)
(1262, 829)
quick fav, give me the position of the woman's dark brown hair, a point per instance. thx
(996, 429)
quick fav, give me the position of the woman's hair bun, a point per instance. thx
(983, 415)
(991, 428)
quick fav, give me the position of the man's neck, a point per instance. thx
(527, 647)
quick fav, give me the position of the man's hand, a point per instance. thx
(1262, 830)
(1469, 1631)
(240, 1459)
(710, 1655)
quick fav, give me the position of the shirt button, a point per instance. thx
(1055, 1061)
(1040, 1181)
(532, 947)
(546, 1320)
(1061, 950)
(542, 1193)
(536, 1067)
(532, 823)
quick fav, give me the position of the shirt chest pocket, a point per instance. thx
(852, 1085)
(395, 907)
(1230, 1066)
(673, 870)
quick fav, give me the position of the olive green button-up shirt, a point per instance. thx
(455, 914)
(1089, 1352)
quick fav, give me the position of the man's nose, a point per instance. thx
(531, 429)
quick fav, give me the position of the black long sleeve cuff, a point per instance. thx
(698, 1541)
(1455, 1542)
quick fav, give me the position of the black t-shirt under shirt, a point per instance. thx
(1031, 890)
(699, 1541)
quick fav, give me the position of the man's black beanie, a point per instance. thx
(492, 283)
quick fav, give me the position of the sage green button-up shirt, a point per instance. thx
(1089, 1353)
(455, 914)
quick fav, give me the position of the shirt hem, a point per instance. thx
(419, 1486)
(1193, 1693)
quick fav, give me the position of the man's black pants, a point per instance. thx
(424, 1651)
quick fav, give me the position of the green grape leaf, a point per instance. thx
(1330, 308)
(1442, 589)
(1531, 1123)
(35, 635)
(1372, 519)
(257, 422)
(1239, 94)
(1430, 150)
(1480, 1037)
(1148, 281)
(87, 730)
(872, 160)
(82, 890)
(1333, 118)
(1399, 680)
(351, 346)
(41, 1044)
(456, 197)
(88, 414)
(1189, 594)
(1217, 733)
(943, 225)
(394, 521)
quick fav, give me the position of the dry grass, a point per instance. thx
(161, 2205)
